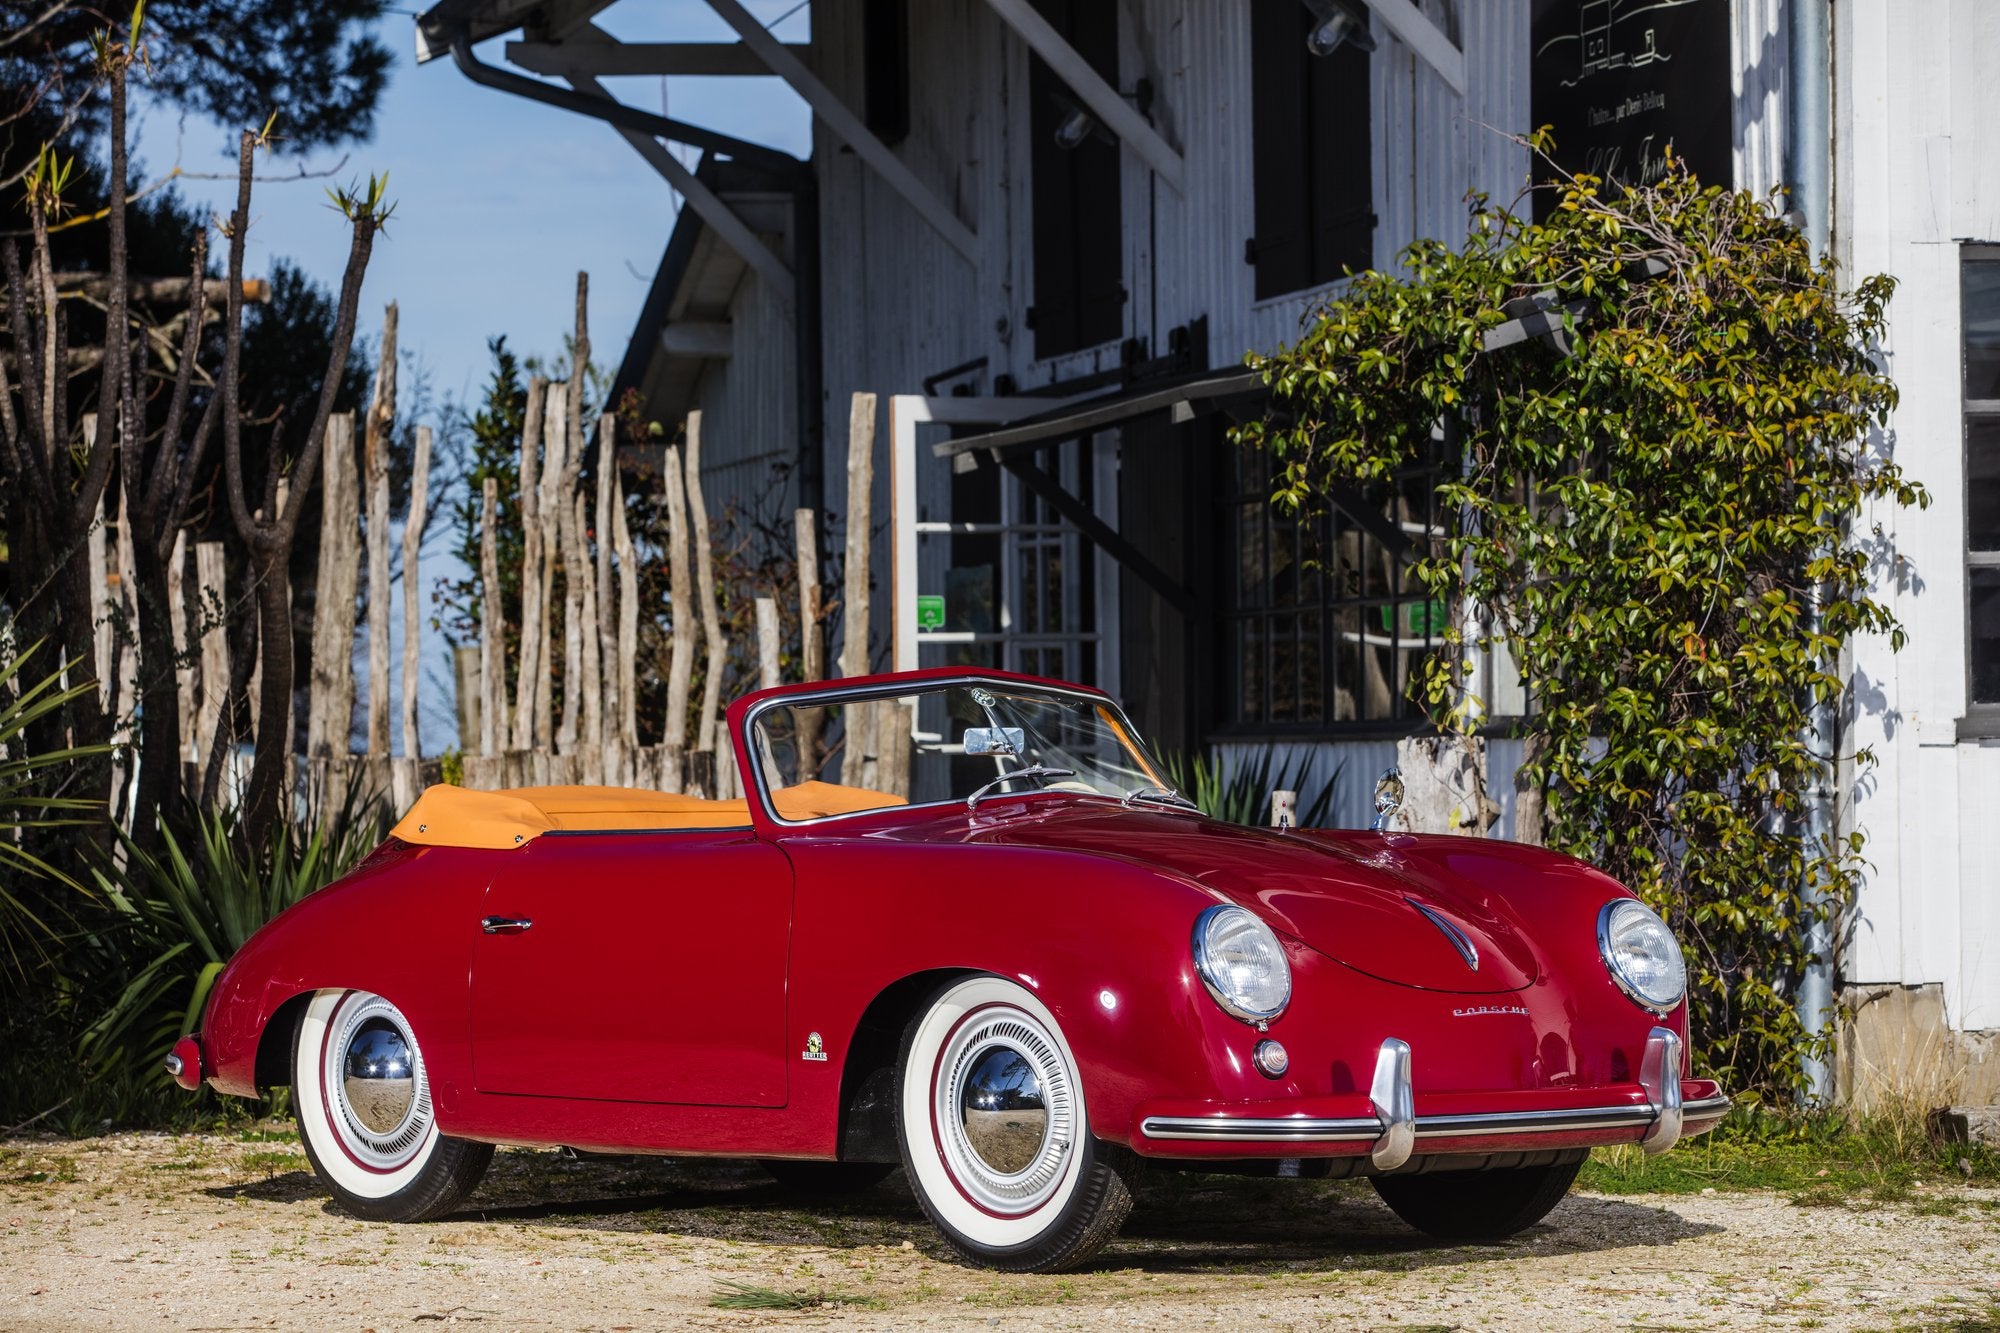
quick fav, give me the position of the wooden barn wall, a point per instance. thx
(749, 433)
(1916, 128)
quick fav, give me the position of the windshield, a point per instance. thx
(955, 742)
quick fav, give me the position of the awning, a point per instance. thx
(1186, 397)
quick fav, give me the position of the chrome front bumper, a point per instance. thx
(1395, 1132)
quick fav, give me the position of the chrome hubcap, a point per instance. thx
(1001, 1108)
(375, 1084)
(1005, 1109)
(381, 1076)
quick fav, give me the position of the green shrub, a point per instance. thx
(1650, 504)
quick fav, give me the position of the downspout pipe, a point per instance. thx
(790, 172)
(613, 112)
(1809, 173)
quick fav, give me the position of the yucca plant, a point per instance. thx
(1240, 793)
(190, 906)
(28, 803)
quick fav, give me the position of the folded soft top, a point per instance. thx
(447, 816)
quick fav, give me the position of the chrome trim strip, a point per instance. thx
(1459, 940)
(1366, 1129)
(1708, 1108)
(1360, 1129)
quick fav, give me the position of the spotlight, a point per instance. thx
(1337, 24)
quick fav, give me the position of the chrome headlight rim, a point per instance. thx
(1205, 969)
(1618, 977)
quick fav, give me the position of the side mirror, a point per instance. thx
(1008, 741)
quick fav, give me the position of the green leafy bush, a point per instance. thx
(1649, 505)
(1240, 793)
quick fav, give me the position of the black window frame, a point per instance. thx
(1312, 155)
(1076, 195)
(1982, 716)
(1252, 530)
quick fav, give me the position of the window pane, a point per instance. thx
(1982, 483)
(1985, 635)
(1980, 310)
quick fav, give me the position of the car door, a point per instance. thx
(641, 967)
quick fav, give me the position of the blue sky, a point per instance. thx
(499, 202)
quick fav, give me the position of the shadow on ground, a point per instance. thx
(1182, 1223)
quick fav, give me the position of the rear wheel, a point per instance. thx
(1477, 1205)
(363, 1100)
(995, 1135)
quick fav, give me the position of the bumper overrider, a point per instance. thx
(1657, 1114)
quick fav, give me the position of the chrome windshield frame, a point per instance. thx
(838, 694)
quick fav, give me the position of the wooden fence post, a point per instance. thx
(858, 758)
(680, 589)
(186, 673)
(555, 450)
(607, 606)
(331, 706)
(492, 627)
(413, 537)
(533, 641)
(375, 461)
(812, 640)
(628, 619)
(767, 643)
(704, 572)
(213, 595)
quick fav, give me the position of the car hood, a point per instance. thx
(1386, 906)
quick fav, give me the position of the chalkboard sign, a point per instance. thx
(1622, 79)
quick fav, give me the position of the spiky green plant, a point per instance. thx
(188, 908)
(1240, 792)
(29, 802)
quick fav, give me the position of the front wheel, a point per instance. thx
(995, 1136)
(1478, 1205)
(363, 1100)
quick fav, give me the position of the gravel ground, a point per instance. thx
(143, 1231)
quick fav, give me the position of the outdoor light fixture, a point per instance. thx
(1077, 124)
(1075, 129)
(1338, 23)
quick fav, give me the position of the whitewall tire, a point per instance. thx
(995, 1134)
(363, 1101)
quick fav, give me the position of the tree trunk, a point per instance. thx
(375, 457)
(413, 536)
(680, 591)
(263, 803)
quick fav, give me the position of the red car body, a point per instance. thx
(732, 992)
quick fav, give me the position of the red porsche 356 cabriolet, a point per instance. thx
(1030, 971)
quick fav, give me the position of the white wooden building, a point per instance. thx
(1050, 229)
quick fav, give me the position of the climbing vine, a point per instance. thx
(1663, 419)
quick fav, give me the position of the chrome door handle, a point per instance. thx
(504, 925)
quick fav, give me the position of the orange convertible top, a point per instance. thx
(446, 816)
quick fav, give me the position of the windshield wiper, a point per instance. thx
(1039, 771)
(1160, 796)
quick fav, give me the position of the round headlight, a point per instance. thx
(1242, 964)
(1642, 954)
